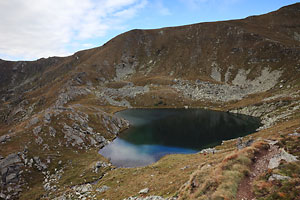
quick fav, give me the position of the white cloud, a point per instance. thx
(40, 28)
(162, 9)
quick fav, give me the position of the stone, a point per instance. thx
(11, 177)
(239, 143)
(72, 134)
(40, 165)
(144, 191)
(37, 130)
(83, 188)
(39, 140)
(4, 171)
(47, 117)
(278, 177)
(47, 187)
(33, 121)
(98, 164)
(295, 134)
(30, 162)
(99, 138)
(4, 138)
(93, 141)
(2, 196)
(10, 160)
(249, 142)
(102, 189)
(209, 150)
(52, 131)
(283, 155)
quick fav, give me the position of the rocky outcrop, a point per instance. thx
(283, 155)
(278, 177)
(10, 177)
(70, 93)
(240, 87)
(269, 112)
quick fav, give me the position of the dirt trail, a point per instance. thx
(260, 166)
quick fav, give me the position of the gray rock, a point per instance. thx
(83, 188)
(30, 162)
(99, 138)
(102, 189)
(10, 160)
(278, 177)
(72, 134)
(47, 117)
(11, 177)
(4, 171)
(39, 164)
(37, 130)
(240, 144)
(33, 121)
(144, 191)
(209, 150)
(1, 157)
(295, 134)
(100, 164)
(2, 196)
(283, 155)
(4, 138)
(93, 141)
(47, 187)
(39, 140)
(69, 93)
(52, 131)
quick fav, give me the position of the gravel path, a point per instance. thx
(260, 166)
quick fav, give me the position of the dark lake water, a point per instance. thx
(157, 132)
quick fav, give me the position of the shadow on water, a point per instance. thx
(157, 132)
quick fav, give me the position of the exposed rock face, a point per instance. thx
(125, 68)
(73, 135)
(240, 87)
(69, 93)
(283, 155)
(102, 189)
(268, 112)
(278, 177)
(11, 170)
(83, 188)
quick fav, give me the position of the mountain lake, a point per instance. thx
(154, 133)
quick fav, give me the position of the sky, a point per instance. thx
(32, 29)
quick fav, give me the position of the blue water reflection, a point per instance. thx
(125, 154)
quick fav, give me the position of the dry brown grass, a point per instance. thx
(221, 181)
